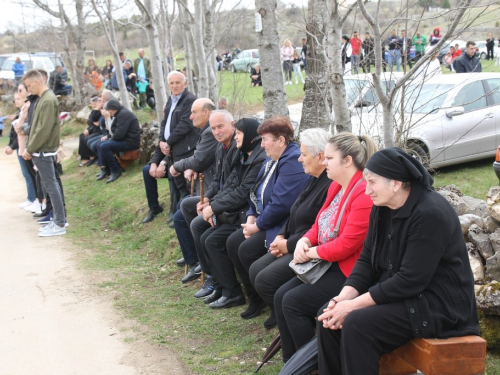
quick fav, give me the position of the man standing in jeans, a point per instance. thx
(395, 44)
(42, 148)
(356, 44)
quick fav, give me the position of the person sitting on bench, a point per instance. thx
(412, 279)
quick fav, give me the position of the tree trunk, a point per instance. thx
(337, 88)
(200, 50)
(273, 88)
(187, 50)
(147, 10)
(210, 51)
(109, 32)
(316, 108)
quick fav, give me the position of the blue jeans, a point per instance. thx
(185, 237)
(106, 155)
(65, 90)
(30, 185)
(94, 142)
(394, 57)
(355, 63)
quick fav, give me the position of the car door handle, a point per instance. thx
(489, 115)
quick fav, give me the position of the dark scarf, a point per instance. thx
(250, 137)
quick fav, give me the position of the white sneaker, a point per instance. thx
(25, 204)
(33, 207)
(53, 230)
(46, 226)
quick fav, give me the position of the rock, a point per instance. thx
(488, 299)
(149, 141)
(451, 188)
(493, 202)
(493, 267)
(490, 224)
(495, 240)
(476, 206)
(476, 263)
(481, 241)
(456, 201)
(467, 220)
(490, 330)
(83, 114)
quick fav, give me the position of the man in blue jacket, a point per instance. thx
(18, 69)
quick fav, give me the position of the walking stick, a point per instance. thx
(192, 185)
(202, 191)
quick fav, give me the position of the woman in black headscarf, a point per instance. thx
(412, 279)
(227, 216)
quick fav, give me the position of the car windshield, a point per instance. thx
(10, 63)
(255, 54)
(426, 98)
(353, 88)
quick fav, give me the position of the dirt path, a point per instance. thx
(52, 319)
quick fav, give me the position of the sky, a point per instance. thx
(15, 16)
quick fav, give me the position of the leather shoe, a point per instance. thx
(114, 177)
(91, 162)
(191, 275)
(271, 322)
(43, 213)
(180, 262)
(225, 302)
(254, 309)
(102, 175)
(216, 294)
(197, 270)
(152, 214)
(170, 218)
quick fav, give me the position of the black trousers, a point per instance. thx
(489, 53)
(268, 274)
(83, 149)
(198, 228)
(365, 336)
(243, 253)
(297, 306)
(214, 243)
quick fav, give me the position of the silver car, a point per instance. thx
(448, 119)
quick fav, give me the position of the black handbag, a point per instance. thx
(312, 270)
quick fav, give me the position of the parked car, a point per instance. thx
(449, 119)
(446, 47)
(3, 58)
(411, 57)
(245, 61)
(38, 60)
(482, 52)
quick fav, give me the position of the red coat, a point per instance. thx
(345, 249)
(356, 44)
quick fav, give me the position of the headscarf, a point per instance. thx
(251, 138)
(395, 164)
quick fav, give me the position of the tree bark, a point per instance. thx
(273, 88)
(201, 56)
(187, 49)
(316, 107)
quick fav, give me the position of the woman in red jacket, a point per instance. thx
(296, 303)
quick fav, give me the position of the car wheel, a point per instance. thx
(418, 152)
(233, 69)
(483, 56)
(249, 68)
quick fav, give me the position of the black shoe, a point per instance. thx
(225, 302)
(197, 270)
(191, 275)
(102, 175)
(171, 225)
(41, 214)
(91, 162)
(216, 294)
(113, 177)
(152, 214)
(271, 322)
(170, 218)
(207, 288)
(254, 309)
(180, 262)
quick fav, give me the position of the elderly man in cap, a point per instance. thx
(124, 135)
(412, 279)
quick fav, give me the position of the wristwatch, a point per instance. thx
(163, 162)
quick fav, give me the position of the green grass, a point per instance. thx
(136, 264)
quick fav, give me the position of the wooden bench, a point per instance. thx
(454, 356)
(126, 158)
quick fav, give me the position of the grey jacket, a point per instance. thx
(203, 159)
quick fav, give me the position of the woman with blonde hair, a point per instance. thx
(287, 52)
(296, 67)
(336, 237)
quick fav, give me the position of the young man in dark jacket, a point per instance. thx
(177, 140)
(125, 136)
(468, 62)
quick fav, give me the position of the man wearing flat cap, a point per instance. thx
(124, 135)
(412, 279)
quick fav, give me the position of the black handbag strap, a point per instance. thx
(337, 225)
